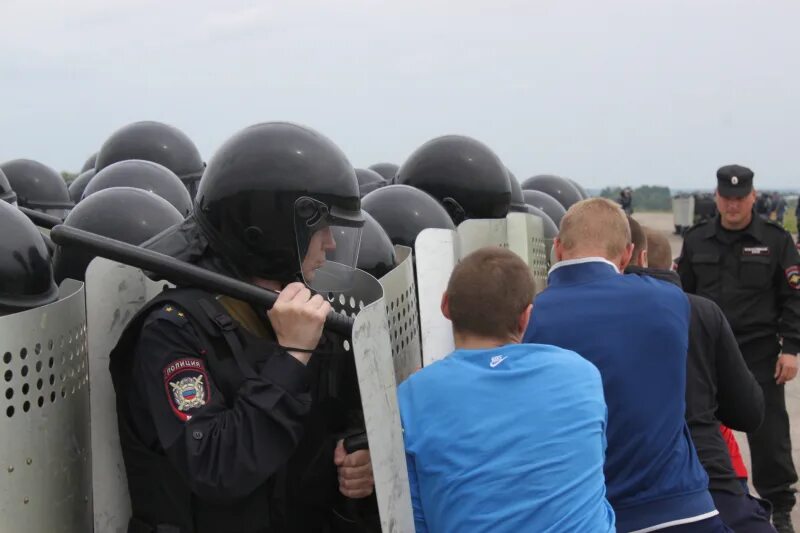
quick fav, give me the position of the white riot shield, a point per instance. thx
(375, 359)
(44, 432)
(436, 252)
(400, 294)
(114, 293)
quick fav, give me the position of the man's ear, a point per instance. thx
(625, 259)
(445, 306)
(524, 319)
(559, 249)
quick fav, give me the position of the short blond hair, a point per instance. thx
(596, 225)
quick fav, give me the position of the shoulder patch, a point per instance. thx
(793, 276)
(186, 386)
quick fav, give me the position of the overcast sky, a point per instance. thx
(606, 92)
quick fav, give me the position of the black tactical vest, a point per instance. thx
(302, 497)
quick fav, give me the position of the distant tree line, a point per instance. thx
(645, 198)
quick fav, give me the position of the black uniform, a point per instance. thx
(754, 276)
(238, 433)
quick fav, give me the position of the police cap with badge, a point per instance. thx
(734, 181)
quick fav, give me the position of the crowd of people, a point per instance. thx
(604, 402)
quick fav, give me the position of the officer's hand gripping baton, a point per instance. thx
(179, 272)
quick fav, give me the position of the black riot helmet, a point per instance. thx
(376, 255)
(403, 212)
(122, 213)
(26, 276)
(580, 189)
(463, 174)
(145, 175)
(368, 181)
(279, 201)
(518, 204)
(550, 228)
(79, 184)
(89, 164)
(7, 194)
(546, 203)
(557, 187)
(156, 142)
(388, 171)
(38, 186)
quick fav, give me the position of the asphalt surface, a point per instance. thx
(663, 222)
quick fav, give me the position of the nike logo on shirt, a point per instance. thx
(496, 360)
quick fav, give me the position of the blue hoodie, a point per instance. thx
(509, 439)
(635, 331)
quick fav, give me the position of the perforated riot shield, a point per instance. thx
(526, 239)
(376, 356)
(400, 294)
(116, 292)
(44, 429)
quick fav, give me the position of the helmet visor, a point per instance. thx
(328, 239)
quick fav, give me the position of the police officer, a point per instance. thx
(231, 417)
(751, 269)
(26, 276)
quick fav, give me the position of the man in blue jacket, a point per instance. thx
(500, 436)
(635, 331)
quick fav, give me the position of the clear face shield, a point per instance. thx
(327, 244)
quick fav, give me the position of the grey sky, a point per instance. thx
(607, 92)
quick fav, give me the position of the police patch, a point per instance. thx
(793, 276)
(186, 384)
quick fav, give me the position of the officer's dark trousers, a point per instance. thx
(772, 467)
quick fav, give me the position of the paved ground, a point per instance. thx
(663, 222)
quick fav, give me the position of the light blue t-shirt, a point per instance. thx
(510, 439)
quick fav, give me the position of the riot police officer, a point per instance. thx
(26, 276)
(231, 416)
(38, 187)
(749, 266)
(156, 142)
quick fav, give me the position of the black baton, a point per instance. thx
(179, 272)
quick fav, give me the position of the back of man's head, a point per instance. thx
(639, 240)
(594, 227)
(659, 252)
(488, 292)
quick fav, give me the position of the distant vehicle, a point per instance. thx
(689, 209)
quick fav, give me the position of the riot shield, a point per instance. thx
(44, 433)
(400, 294)
(114, 293)
(437, 251)
(376, 356)
(526, 239)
